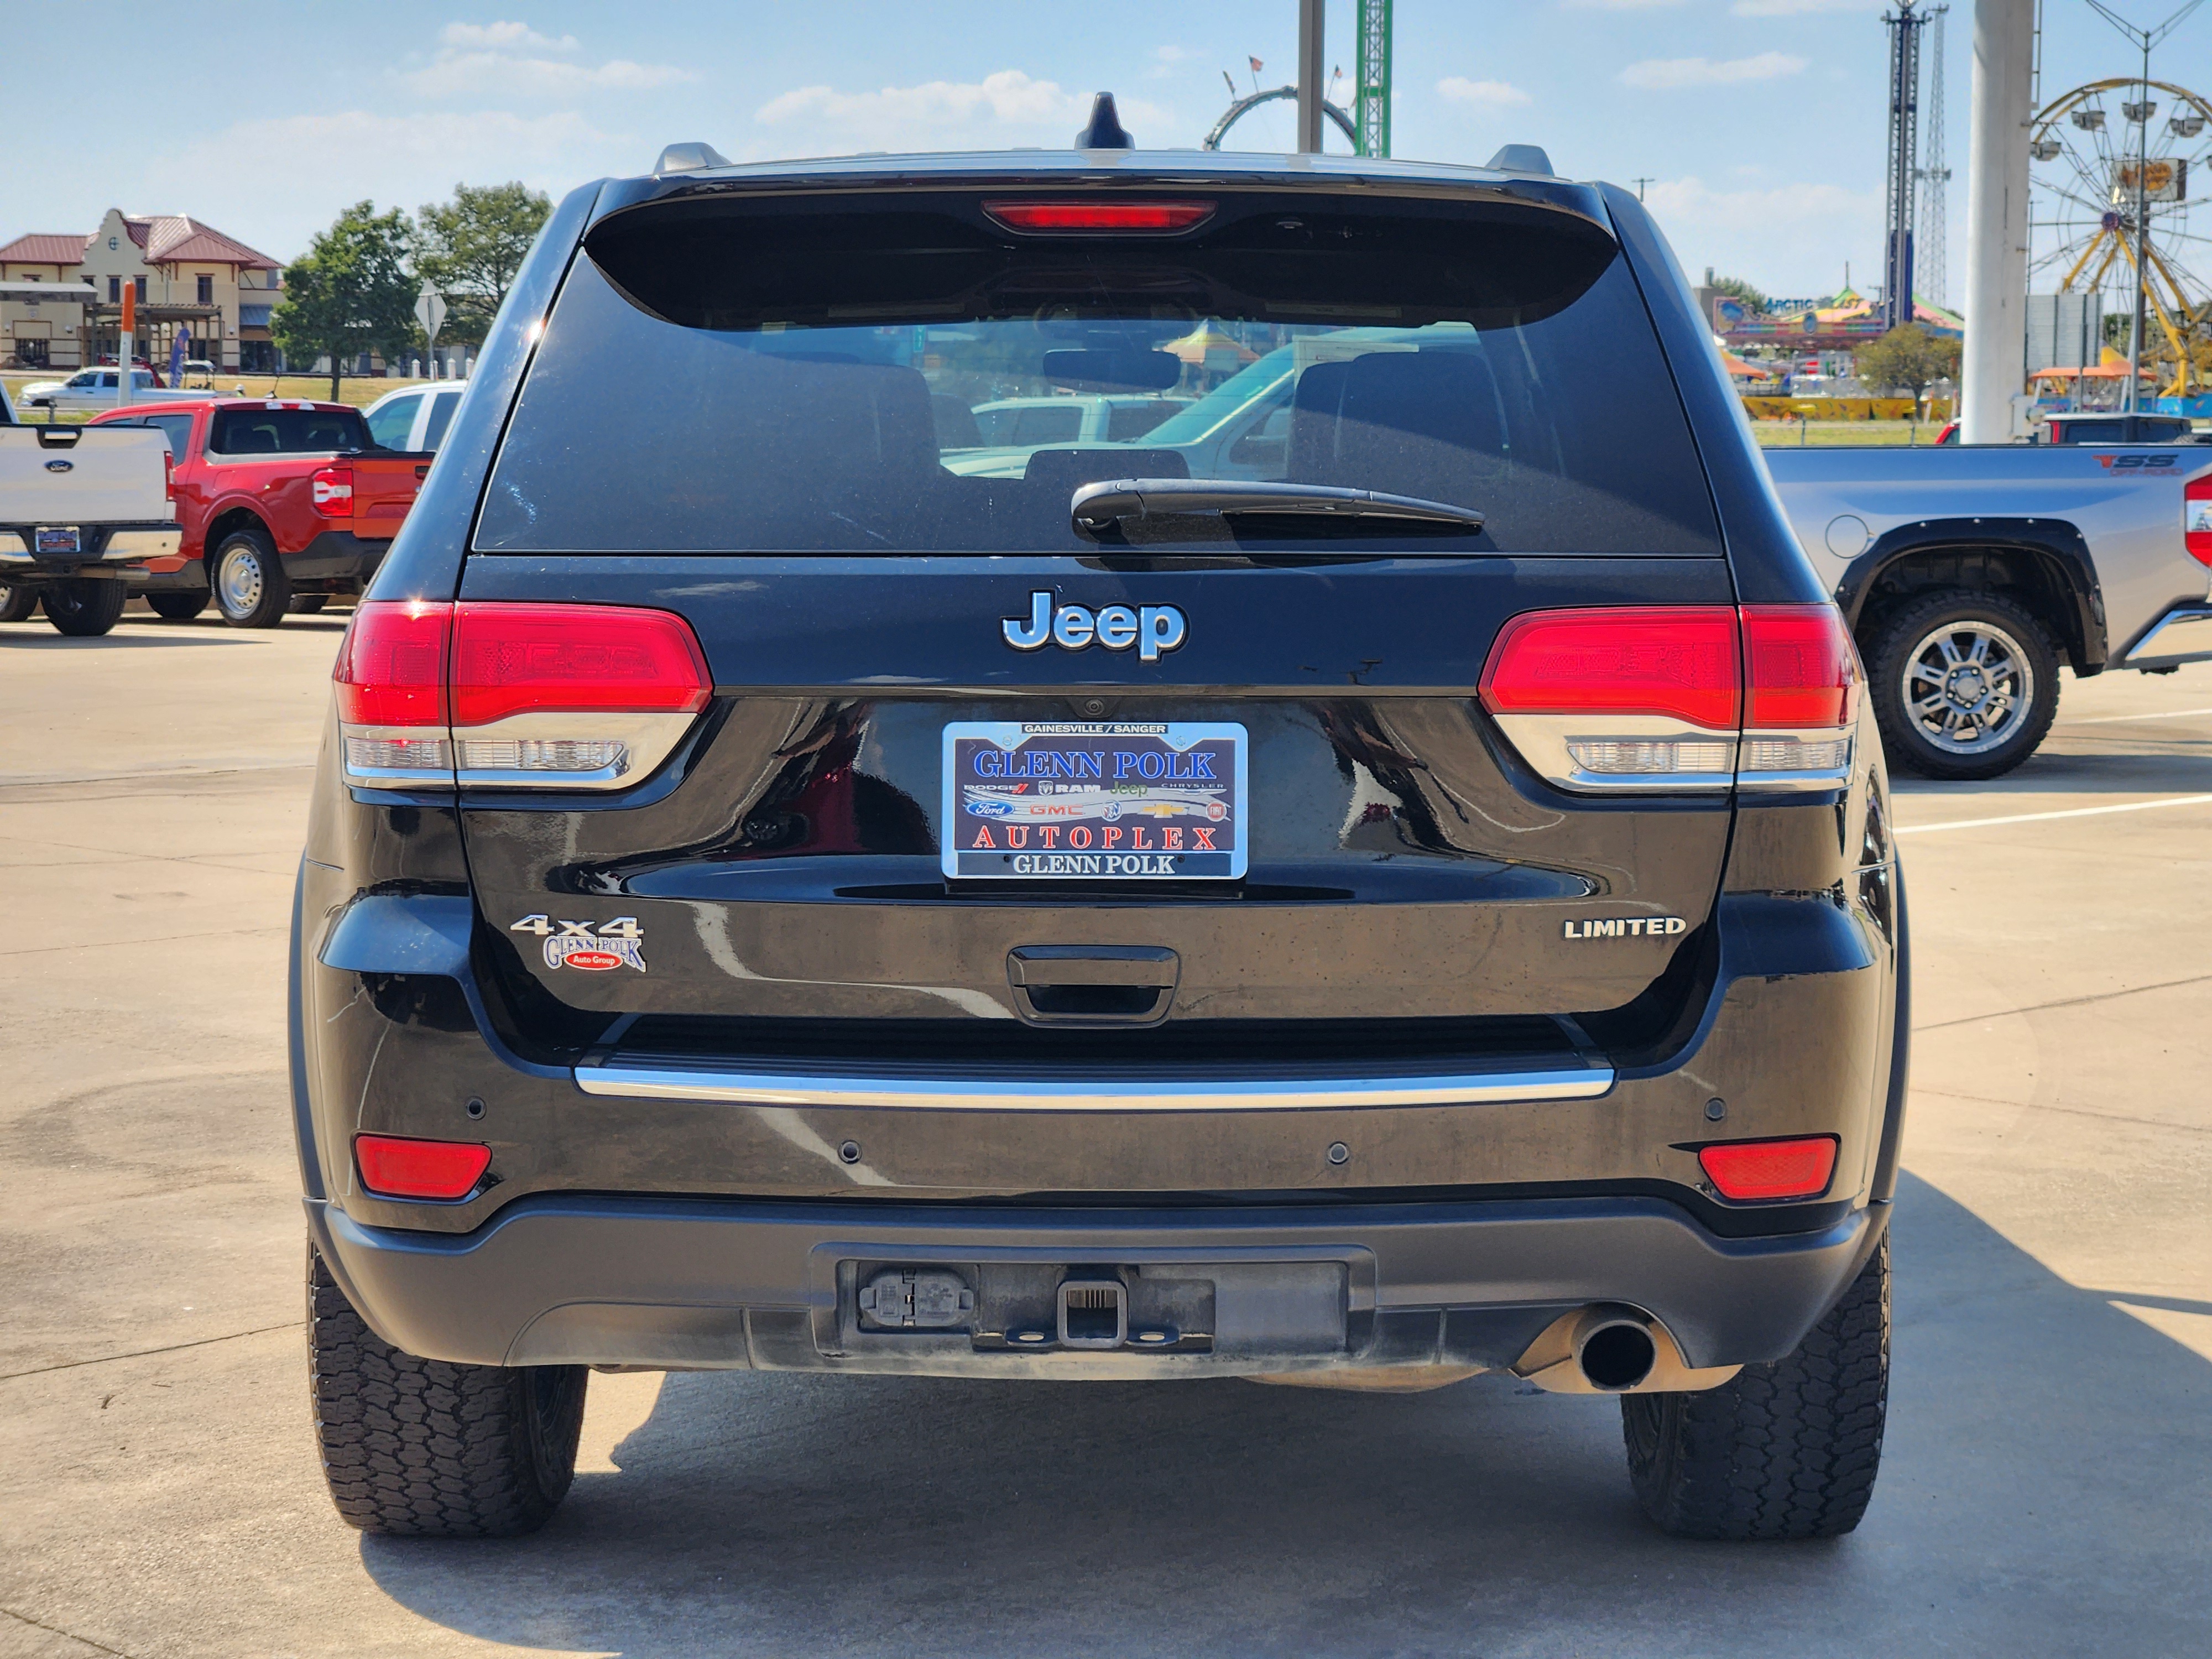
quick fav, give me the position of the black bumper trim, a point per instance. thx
(744, 1284)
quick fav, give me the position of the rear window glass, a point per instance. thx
(286, 431)
(391, 424)
(904, 376)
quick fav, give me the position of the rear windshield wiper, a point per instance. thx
(1124, 503)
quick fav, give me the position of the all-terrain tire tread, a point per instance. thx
(1785, 1450)
(423, 1447)
(1899, 630)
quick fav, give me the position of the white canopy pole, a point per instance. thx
(1996, 220)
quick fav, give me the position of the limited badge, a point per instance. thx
(592, 947)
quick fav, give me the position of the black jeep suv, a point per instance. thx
(1374, 869)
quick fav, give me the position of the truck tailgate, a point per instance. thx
(83, 474)
(383, 488)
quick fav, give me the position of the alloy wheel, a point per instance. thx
(1968, 687)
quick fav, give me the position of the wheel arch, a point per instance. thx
(2045, 563)
(229, 521)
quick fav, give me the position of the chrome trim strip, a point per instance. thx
(929, 1091)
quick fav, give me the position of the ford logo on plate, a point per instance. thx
(60, 467)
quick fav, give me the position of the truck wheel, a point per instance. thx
(1964, 685)
(248, 580)
(17, 602)
(82, 606)
(1783, 1450)
(429, 1449)
(179, 603)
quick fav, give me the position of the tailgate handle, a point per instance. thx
(1093, 984)
(58, 437)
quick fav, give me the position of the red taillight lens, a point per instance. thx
(391, 664)
(2196, 519)
(520, 659)
(1749, 1170)
(1800, 668)
(1098, 216)
(397, 1166)
(1679, 662)
(333, 491)
(168, 475)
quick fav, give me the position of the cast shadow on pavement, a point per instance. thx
(2184, 768)
(2047, 1487)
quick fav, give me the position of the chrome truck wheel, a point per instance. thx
(1965, 683)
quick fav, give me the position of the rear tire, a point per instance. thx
(1965, 683)
(17, 602)
(179, 603)
(84, 606)
(1782, 1450)
(426, 1448)
(248, 580)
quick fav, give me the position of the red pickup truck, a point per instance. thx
(282, 504)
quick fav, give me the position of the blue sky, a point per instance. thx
(1758, 122)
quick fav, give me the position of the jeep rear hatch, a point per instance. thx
(914, 680)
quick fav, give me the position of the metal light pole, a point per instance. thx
(1310, 56)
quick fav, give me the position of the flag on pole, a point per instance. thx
(1256, 65)
(177, 356)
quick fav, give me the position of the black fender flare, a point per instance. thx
(2055, 545)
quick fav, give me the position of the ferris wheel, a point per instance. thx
(2084, 146)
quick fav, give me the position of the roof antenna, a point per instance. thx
(1105, 130)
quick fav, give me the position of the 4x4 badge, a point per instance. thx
(593, 947)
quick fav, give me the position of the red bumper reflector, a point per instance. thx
(395, 1166)
(516, 659)
(391, 664)
(1098, 214)
(1745, 1169)
(1678, 661)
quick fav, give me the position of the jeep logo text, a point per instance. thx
(1154, 629)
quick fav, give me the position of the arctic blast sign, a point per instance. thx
(1112, 800)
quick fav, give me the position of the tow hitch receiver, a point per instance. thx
(1094, 1313)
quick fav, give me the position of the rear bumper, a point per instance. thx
(2182, 634)
(336, 555)
(750, 1285)
(103, 546)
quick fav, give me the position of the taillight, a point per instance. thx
(391, 678)
(1746, 1171)
(1107, 216)
(2197, 518)
(333, 491)
(168, 475)
(577, 696)
(399, 1166)
(1676, 697)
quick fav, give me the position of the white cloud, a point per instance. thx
(1004, 108)
(477, 59)
(1669, 74)
(1483, 94)
(274, 182)
(497, 37)
(1799, 8)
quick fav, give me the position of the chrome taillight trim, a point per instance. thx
(646, 738)
(1545, 741)
(439, 772)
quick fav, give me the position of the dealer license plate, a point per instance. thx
(1110, 800)
(52, 540)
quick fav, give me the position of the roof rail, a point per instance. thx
(690, 158)
(1522, 158)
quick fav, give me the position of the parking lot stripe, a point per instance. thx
(2038, 817)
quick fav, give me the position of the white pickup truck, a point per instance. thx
(81, 509)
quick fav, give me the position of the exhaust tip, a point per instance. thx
(1617, 1355)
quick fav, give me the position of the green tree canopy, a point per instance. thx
(1736, 288)
(1907, 359)
(469, 249)
(350, 293)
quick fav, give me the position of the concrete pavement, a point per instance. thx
(2047, 1485)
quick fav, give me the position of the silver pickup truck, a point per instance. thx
(1969, 573)
(81, 509)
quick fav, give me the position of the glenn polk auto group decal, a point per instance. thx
(592, 947)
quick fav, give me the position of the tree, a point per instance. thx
(1907, 359)
(1741, 291)
(350, 293)
(469, 249)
